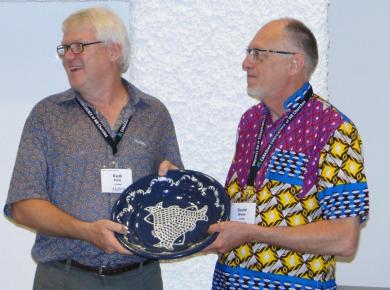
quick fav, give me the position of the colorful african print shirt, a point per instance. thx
(313, 172)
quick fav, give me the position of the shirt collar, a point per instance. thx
(291, 102)
(71, 94)
(297, 98)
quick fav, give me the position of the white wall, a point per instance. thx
(188, 54)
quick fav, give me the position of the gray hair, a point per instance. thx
(303, 38)
(109, 28)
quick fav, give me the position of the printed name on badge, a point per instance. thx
(115, 180)
(244, 212)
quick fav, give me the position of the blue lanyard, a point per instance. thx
(98, 124)
(258, 159)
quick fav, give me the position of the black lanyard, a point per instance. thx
(258, 159)
(95, 120)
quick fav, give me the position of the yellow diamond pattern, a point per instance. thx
(233, 188)
(272, 216)
(243, 252)
(267, 257)
(296, 220)
(338, 149)
(286, 199)
(347, 128)
(310, 203)
(346, 165)
(264, 195)
(292, 261)
(353, 167)
(316, 264)
(329, 171)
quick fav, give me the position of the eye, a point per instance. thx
(256, 54)
(76, 47)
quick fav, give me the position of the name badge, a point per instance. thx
(244, 212)
(115, 180)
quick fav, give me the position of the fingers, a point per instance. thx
(210, 249)
(164, 167)
(228, 237)
(217, 247)
(214, 228)
(118, 248)
(103, 236)
(117, 228)
(116, 245)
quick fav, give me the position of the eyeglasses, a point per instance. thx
(255, 53)
(75, 47)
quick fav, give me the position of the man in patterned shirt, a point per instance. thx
(79, 150)
(296, 183)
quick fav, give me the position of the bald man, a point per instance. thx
(296, 183)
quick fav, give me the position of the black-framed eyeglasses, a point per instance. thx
(255, 53)
(75, 47)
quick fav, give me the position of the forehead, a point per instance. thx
(79, 31)
(271, 35)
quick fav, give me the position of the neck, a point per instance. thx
(107, 96)
(276, 114)
(109, 101)
(275, 103)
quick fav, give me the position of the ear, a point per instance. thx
(297, 63)
(115, 51)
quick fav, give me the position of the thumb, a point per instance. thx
(164, 167)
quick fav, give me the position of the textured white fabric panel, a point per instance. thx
(189, 54)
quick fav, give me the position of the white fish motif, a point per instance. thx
(170, 224)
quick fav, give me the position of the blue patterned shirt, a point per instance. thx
(61, 154)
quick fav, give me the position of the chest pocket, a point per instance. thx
(287, 167)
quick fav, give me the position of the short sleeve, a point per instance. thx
(30, 172)
(169, 147)
(342, 183)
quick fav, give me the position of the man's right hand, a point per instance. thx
(44, 217)
(102, 234)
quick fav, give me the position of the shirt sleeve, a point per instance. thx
(343, 190)
(169, 147)
(30, 172)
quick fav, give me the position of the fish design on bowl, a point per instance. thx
(182, 219)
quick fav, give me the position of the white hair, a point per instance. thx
(109, 28)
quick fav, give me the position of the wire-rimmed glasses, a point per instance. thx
(75, 47)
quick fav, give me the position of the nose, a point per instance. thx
(69, 54)
(247, 63)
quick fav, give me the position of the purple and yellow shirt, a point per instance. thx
(313, 172)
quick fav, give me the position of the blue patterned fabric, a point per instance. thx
(236, 278)
(289, 167)
(60, 157)
(345, 200)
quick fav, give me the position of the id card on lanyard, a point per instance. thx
(244, 212)
(113, 180)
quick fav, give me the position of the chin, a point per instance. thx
(74, 83)
(255, 93)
